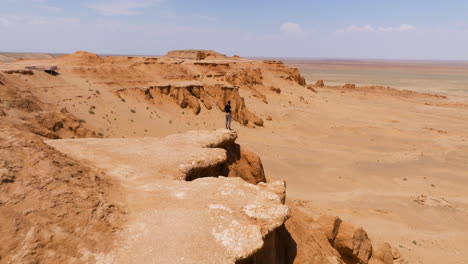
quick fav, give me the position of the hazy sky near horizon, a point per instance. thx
(375, 29)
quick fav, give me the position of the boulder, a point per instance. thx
(330, 226)
(275, 89)
(353, 242)
(383, 255)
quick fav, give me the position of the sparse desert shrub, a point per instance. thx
(133, 111)
(122, 99)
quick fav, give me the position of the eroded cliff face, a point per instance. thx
(196, 197)
(93, 89)
(187, 198)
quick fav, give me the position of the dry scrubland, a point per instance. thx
(93, 169)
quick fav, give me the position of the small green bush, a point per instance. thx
(133, 111)
(123, 99)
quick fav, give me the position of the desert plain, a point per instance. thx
(395, 163)
(383, 145)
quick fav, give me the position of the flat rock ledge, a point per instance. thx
(208, 219)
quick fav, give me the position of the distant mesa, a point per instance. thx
(195, 54)
(349, 86)
(82, 57)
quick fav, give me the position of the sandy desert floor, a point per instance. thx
(396, 166)
(442, 77)
(393, 163)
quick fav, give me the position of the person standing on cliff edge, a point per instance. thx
(227, 109)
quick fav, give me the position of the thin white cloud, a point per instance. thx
(290, 27)
(37, 20)
(371, 29)
(7, 20)
(54, 9)
(174, 16)
(460, 23)
(121, 7)
(41, 20)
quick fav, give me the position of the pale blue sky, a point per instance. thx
(397, 29)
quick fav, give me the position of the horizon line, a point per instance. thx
(289, 58)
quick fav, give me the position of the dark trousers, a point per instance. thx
(228, 120)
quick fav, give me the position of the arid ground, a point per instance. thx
(390, 160)
(372, 155)
(441, 77)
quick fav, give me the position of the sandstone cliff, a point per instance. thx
(194, 197)
(94, 89)
(164, 200)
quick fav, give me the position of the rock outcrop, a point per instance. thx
(243, 163)
(319, 83)
(245, 76)
(179, 205)
(383, 255)
(310, 240)
(193, 95)
(240, 113)
(294, 75)
(330, 226)
(353, 243)
(349, 86)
